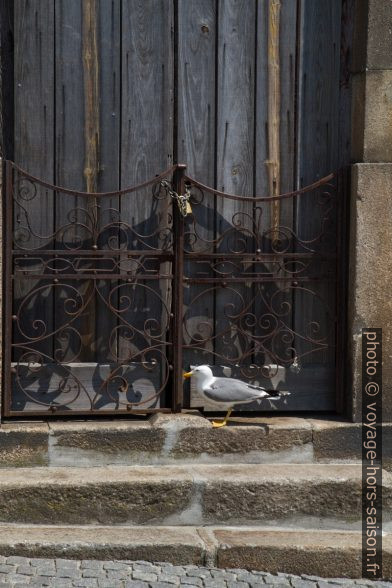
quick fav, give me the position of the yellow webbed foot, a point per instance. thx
(217, 424)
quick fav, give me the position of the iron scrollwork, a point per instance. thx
(91, 298)
(92, 289)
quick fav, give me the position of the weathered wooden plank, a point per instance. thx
(70, 163)
(261, 108)
(196, 147)
(90, 63)
(347, 31)
(147, 96)
(109, 42)
(34, 149)
(318, 146)
(109, 59)
(274, 166)
(196, 88)
(280, 41)
(235, 163)
(288, 44)
(320, 56)
(146, 142)
(7, 79)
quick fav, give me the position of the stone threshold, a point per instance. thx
(320, 553)
(183, 438)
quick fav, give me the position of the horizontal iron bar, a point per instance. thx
(253, 280)
(55, 188)
(71, 412)
(259, 256)
(323, 181)
(30, 275)
(60, 253)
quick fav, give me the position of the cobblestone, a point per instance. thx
(18, 572)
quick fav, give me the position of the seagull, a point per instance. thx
(228, 391)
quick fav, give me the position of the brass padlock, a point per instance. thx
(188, 208)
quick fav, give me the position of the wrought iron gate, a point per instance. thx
(104, 310)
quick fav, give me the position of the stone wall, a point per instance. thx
(370, 275)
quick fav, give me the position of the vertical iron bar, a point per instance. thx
(338, 262)
(178, 293)
(7, 286)
(341, 277)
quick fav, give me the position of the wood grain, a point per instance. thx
(146, 142)
(70, 158)
(109, 55)
(318, 151)
(34, 148)
(111, 74)
(235, 157)
(196, 146)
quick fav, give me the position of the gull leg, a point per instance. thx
(217, 424)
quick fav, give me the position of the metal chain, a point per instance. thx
(181, 199)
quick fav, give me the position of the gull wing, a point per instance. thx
(230, 390)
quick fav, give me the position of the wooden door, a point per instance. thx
(253, 95)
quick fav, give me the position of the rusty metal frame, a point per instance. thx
(282, 265)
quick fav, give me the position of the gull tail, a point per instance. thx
(278, 393)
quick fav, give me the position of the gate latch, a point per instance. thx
(182, 199)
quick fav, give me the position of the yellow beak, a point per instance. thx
(187, 374)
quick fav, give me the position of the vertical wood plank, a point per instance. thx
(109, 43)
(287, 58)
(288, 44)
(146, 143)
(347, 31)
(261, 105)
(274, 102)
(282, 160)
(235, 156)
(320, 90)
(318, 154)
(109, 91)
(147, 94)
(34, 149)
(90, 20)
(196, 144)
(7, 79)
(196, 88)
(90, 62)
(70, 159)
(69, 100)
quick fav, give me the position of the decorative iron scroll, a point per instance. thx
(95, 290)
(90, 295)
(260, 300)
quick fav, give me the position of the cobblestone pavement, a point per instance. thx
(22, 571)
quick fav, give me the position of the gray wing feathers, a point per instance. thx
(231, 390)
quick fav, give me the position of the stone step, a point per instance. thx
(320, 553)
(325, 496)
(184, 438)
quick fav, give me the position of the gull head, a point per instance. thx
(200, 373)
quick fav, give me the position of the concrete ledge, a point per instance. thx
(321, 553)
(188, 495)
(179, 439)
